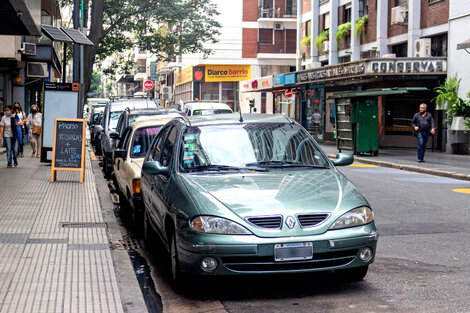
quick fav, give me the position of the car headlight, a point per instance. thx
(217, 225)
(356, 217)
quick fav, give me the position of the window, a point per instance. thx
(401, 50)
(142, 140)
(326, 21)
(439, 46)
(124, 136)
(401, 3)
(308, 28)
(158, 145)
(347, 14)
(168, 148)
(265, 36)
(291, 7)
(210, 91)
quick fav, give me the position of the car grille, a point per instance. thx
(267, 263)
(309, 220)
(266, 221)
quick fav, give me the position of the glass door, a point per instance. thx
(314, 112)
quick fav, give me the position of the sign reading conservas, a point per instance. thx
(68, 150)
(227, 73)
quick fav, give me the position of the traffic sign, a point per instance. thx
(288, 93)
(148, 84)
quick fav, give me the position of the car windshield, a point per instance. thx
(113, 119)
(142, 139)
(211, 111)
(256, 145)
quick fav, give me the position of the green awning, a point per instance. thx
(377, 92)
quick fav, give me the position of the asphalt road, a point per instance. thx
(422, 262)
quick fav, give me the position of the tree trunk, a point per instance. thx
(95, 36)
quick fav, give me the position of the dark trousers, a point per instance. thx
(423, 137)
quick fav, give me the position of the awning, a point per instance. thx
(464, 45)
(377, 92)
(65, 35)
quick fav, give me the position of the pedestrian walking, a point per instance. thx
(34, 123)
(9, 131)
(423, 125)
(18, 111)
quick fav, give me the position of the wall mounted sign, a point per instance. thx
(184, 76)
(227, 73)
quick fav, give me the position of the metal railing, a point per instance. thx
(269, 12)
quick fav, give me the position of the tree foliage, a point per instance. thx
(95, 87)
(163, 27)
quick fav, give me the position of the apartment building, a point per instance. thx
(257, 39)
(381, 58)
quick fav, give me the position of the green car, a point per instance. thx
(253, 194)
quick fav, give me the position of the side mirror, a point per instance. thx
(343, 159)
(115, 135)
(119, 153)
(155, 168)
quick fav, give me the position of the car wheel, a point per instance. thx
(177, 277)
(354, 274)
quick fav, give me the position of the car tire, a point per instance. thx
(177, 277)
(354, 274)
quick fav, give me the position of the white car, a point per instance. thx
(206, 108)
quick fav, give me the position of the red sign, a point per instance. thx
(148, 84)
(288, 93)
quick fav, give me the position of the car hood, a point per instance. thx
(285, 193)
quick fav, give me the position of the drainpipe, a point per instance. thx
(299, 36)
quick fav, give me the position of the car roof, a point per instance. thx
(151, 111)
(121, 105)
(154, 120)
(206, 105)
(225, 119)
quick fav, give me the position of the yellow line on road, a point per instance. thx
(362, 165)
(461, 190)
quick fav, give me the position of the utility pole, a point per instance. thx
(76, 48)
(299, 36)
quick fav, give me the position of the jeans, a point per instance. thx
(12, 149)
(423, 137)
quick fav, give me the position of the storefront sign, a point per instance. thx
(265, 82)
(407, 66)
(289, 79)
(198, 73)
(374, 67)
(184, 76)
(227, 73)
(279, 80)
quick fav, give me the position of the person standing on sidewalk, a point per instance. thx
(423, 124)
(35, 126)
(22, 118)
(9, 131)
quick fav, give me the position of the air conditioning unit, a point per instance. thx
(326, 46)
(423, 48)
(278, 26)
(166, 93)
(398, 15)
(37, 70)
(28, 48)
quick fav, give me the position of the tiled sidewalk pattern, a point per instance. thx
(54, 252)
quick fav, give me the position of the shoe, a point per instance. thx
(33, 154)
(16, 163)
(421, 161)
(21, 155)
(9, 166)
(38, 156)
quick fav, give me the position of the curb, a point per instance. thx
(411, 168)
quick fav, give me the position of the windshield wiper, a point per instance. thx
(285, 164)
(218, 167)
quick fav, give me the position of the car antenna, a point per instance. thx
(241, 117)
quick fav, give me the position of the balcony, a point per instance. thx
(140, 73)
(268, 16)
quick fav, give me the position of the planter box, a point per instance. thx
(458, 124)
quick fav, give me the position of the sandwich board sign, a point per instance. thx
(68, 149)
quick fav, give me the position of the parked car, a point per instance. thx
(112, 112)
(128, 158)
(95, 134)
(94, 105)
(206, 108)
(130, 116)
(95, 120)
(254, 195)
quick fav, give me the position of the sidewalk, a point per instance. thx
(437, 163)
(54, 249)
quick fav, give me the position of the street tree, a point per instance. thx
(162, 27)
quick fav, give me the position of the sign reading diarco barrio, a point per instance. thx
(68, 150)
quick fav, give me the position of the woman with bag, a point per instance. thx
(9, 132)
(19, 113)
(35, 126)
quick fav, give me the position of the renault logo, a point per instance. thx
(290, 222)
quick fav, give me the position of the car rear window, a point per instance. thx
(142, 140)
(211, 112)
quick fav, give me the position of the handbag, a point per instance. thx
(36, 130)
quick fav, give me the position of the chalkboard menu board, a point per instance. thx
(68, 151)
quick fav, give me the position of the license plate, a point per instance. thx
(293, 251)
